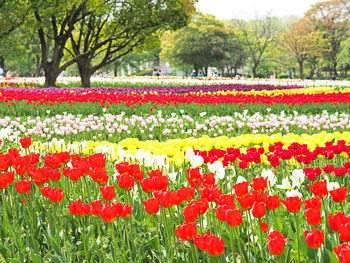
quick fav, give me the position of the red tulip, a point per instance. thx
(99, 175)
(126, 181)
(108, 192)
(186, 193)
(343, 252)
(56, 195)
(246, 202)
(243, 164)
(6, 179)
(194, 177)
(55, 175)
(241, 189)
(319, 189)
(344, 232)
(335, 221)
(211, 193)
(314, 238)
(339, 171)
(108, 213)
(339, 195)
(313, 216)
(25, 142)
(272, 202)
(151, 205)
(23, 186)
(220, 212)
(313, 203)
(166, 199)
(293, 204)
(78, 208)
(258, 209)
(216, 246)
(227, 200)
(201, 241)
(264, 226)
(276, 242)
(186, 231)
(234, 217)
(328, 168)
(259, 184)
(190, 213)
(122, 210)
(96, 207)
(202, 205)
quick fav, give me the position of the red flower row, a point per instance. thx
(42, 97)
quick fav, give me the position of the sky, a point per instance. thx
(246, 9)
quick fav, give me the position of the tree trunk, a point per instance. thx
(50, 78)
(84, 71)
(38, 66)
(235, 71)
(195, 67)
(301, 69)
(254, 71)
(2, 62)
(115, 69)
(85, 79)
(335, 68)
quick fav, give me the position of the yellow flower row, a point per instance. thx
(276, 92)
(175, 149)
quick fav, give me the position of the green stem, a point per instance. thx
(121, 236)
(232, 244)
(261, 240)
(158, 240)
(238, 241)
(196, 252)
(87, 188)
(128, 241)
(248, 232)
(251, 225)
(84, 239)
(325, 229)
(297, 226)
(172, 233)
(192, 252)
(111, 225)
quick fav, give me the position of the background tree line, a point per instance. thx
(50, 36)
(88, 36)
(318, 42)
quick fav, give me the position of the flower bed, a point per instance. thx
(202, 213)
(213, 175)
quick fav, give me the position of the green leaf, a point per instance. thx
(35, 258)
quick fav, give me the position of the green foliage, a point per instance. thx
(344, 56)
(201, 44)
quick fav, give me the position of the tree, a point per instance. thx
(199, 45)
(257, 36)
(12, 15)
(55, 22)
(105, 36)
(331, 18)
(344, 56)
(302, 41)
(21, 51)
(234, 53)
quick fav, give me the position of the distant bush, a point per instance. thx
(283, 76)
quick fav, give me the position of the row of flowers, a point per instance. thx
(172, 81)
(42, 97)
(117, 127)
(222, 219)
(173, 151)
(165, 89)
